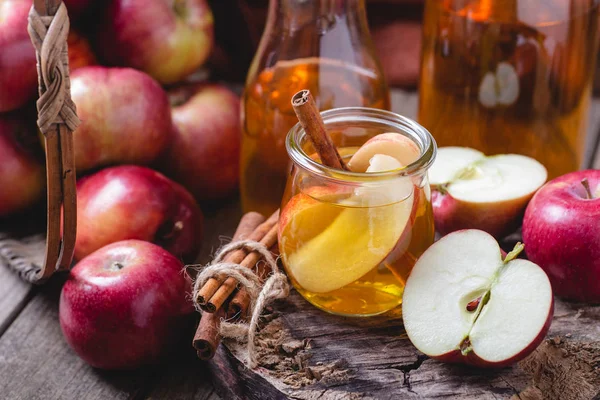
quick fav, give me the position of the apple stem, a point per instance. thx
(443, 188)
(514, 253)
(586, 186)
(116, 266)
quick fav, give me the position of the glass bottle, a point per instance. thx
(510, 76)
(320, 45)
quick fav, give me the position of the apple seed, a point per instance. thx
(473, 304)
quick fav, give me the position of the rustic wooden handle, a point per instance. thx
(58, 119)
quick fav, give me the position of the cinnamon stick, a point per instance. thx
(310, 119)
(208, 334)
(248, 223)
(269, 238)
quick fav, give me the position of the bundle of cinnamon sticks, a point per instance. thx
(213, 297)
(222, 300)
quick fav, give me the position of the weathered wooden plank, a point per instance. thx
(14, 295)
(368, 358)
(36, 362)
(19, 240)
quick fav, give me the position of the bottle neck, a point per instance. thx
(291, 17)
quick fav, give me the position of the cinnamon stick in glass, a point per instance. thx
(308, 114)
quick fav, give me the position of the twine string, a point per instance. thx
(261, 295)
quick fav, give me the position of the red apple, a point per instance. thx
(466, 303)
(125, 306)
(204, 154)
(80, 52)
(166, 39)
(18, 75)
(125, 117)
(561, 230)
(131, 202)
(22, 177)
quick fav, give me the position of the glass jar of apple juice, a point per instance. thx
(348, 240)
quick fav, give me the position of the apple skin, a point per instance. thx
(18, 74)
(168, 40)
(22, 176)
(473, 359)
(204, 154)
(129, 317)
(561, 232)
(497, 219)
(125, 114)
(132, 202)
(80, 51)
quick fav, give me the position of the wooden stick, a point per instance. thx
(264, 235)
(310, 119)
(248, 224)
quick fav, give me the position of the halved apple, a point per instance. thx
(472, 191)
(463, 303)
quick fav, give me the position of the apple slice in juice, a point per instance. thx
(328, 245)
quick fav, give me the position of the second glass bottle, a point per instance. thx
(321, 45)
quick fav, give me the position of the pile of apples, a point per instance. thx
(144, 113)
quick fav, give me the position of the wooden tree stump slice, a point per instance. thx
(309, 354)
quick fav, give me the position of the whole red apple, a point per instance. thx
(204, 154)
(125, 117)
(167, 39)
(561, 232)
(131, 202)
(22, 177)
(125, 305)
(80, 51)
(18, 75)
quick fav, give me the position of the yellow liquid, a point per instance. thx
(268, 116)
(353, 260)
(551, 44)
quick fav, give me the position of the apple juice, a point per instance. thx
(267, 116)
(348, 240)
(510, 76)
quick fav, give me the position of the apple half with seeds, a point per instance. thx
(464, 303)
(474, 191)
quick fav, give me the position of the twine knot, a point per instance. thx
(49, 37)
(261, 294)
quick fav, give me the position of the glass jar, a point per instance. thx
(349, 240)
(320, 45)
(510, 76)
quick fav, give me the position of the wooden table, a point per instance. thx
(36, 363)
